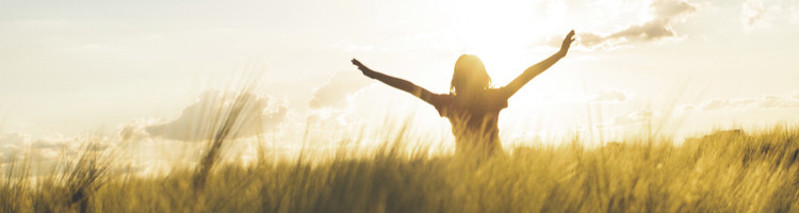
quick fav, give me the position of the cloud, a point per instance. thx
(135, 130)
(631, 118)
(605, 95)
(664, 14)
(764, 102)
(759, 14)
(609, 95)
(777, 102)
(11, 144)
(753, 14)
(716, 104)
(21, 146)
(50, 143)
(337, 92)
(253, 114)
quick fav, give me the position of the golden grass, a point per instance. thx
(723, 172)
(728, 171)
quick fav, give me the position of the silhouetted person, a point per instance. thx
(472, 106)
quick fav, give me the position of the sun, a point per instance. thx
(501, 33)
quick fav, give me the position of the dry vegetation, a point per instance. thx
(723, 172)
(727, 172)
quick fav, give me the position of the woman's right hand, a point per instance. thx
(567, 42)
(365, 70)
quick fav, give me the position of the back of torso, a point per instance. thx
(474, 120)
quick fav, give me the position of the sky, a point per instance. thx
(142, 69)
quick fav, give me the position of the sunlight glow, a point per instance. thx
(503, 33)
(507, 36)
(496, 29)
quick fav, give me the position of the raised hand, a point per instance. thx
(533, 71)
(365, 70)
(567, 42)
(398, 83)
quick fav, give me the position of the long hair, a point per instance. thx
(470, 75)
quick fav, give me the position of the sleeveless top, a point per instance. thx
(474, 119)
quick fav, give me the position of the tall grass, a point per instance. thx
(69, 186)
(726, 171)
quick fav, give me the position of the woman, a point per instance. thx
(472, 106)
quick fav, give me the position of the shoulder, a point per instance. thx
(502, 92)
(498, 93)
(499, 96)
(441, 102)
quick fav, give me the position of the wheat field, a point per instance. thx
(724, 171)
(727, 171)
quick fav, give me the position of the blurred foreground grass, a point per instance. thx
(723, 172)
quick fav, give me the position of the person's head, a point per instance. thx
(470, 76)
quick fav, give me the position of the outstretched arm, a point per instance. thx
(401, 84)
(538, 68)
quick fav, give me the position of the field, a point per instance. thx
(728, 171)
(724, 171)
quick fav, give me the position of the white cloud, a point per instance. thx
(664, 14)
(337, 92)
(609, 95)
(50, 143)
(637, 117)
(777, 102)
(21, 146)
(605, 95)
(762, 14)
(135, 130)
(716, 104)
(249, 113)
(753, 14)
(764, 102)
(11, 144)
